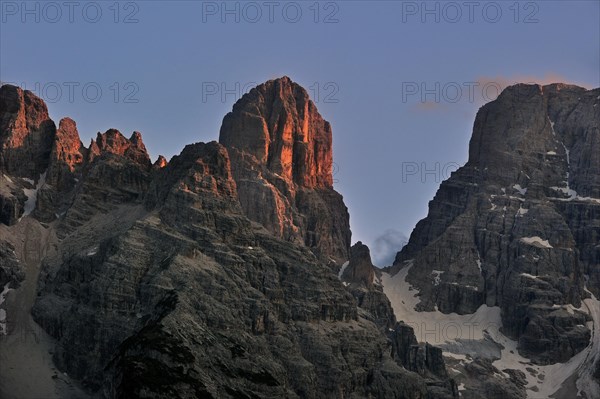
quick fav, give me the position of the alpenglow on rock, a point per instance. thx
(164, 280)
(280, 126)
(27, 133)
(281, 154)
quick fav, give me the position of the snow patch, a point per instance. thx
(536, 242)
(529, 276)
(569, 308)
(521, 212)
(451, 331)
(588, 199)
(566, 190)
(573, 195)
(556, 374)
(456, 356)
(344, 266)
(551, 153)
(478, 261)
(435, 327)
(32, 193)
(437, 276)
(520, 189)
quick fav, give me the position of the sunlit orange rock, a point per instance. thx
(279, 124)
(112, 141)
(160, 163)
(281, 158)
(67, 156)
(26, 133)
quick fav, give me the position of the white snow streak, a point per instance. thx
(438, 329)
(536, 242)
(437, 276)
(520, 189)
(344, 266)
(32, 193)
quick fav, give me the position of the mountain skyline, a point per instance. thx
(97, 237)
(196, 61)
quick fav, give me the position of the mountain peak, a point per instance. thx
(281, 155)
(280, 126)
(112, 141)
(360, 269)
(26, 132)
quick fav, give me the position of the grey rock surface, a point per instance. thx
(518, 225)
(162, 281)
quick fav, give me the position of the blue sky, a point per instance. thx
(392, 77)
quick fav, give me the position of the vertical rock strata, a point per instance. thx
(518, 226)
(211, 275)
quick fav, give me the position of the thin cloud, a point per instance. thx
(386, 246)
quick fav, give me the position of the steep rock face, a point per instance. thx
(364, 282)
(280, 126)
(110, 180)
(12, 200)
(160, 163)
(26, 133)
(281, 152)
(158, 282)
(360, 269)
(42, 165)
(424, 359)
(113, 142)
(11, 271)
(358, 275)
(67, 156)
(81, 181)
(189, 297)
(65, 167)
(517, 226)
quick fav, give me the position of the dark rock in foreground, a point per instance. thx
(211, 275)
